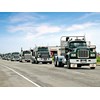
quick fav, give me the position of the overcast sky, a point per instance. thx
(45, 28)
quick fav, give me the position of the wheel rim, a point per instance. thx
(57, 63)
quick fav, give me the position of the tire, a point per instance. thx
(33, 62)
(92, 67)
(20, 61)
(62, 65)
(37, 62)
(58, 63)
(78, 66)
(68, 65)
(55, 63)
(50, 63)
(44, 62)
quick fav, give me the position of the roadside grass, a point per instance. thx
(98, 60)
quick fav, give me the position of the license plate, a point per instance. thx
(83, 60)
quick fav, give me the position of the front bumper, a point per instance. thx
(44, 60)
(83, 61)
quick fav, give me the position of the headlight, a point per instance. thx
(39, 55)
(92, 55)
(38, 58)
(73, 55)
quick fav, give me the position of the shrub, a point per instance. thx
(98, 59)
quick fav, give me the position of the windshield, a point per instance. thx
(15, 53)
(43, 54)
(43, 49)
(77, 44)
(26, 52)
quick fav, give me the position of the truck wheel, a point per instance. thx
(20, 60)
(44, 62)
(55, 63)
(37, 62)
(92, 67)
(78, 66)
(58, 64)
(33, 62)
(62, 65)
(50, 63)
(68, 65)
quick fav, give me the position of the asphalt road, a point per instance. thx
(16, 74)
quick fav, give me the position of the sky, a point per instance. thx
(30, 29)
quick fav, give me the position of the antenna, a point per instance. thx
(21, 49)
(84, 36)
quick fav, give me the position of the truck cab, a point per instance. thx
(15, 56)
(76, 53)
(26, 56)
(41, 54)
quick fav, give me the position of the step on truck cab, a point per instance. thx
(74, 52)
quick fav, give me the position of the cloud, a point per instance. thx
(40, 31)
(47, 29)
(29, 36)
(25, 17)
(80, 26)
(87, 15)
(27, 27)
(33, 30)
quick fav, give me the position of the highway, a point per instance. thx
(17, 74)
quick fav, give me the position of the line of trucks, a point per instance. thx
(74, 51)
(36, 55)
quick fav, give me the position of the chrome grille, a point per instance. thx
(44, 55)
(83, 53)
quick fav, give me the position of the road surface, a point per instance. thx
(17, 74)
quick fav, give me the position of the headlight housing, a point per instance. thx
(92, 55)
(73, 55)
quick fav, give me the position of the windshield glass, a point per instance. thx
(43, 54)
(77, 44)
(26, 52)
(43, 49)
(15, 53)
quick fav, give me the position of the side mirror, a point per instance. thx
(68, 49)
(67, 38)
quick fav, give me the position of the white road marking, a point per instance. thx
(22, 76)
(75, 72)
(78, 72)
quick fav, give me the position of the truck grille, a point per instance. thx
(44, 55)
(83, 53)
(27, 56)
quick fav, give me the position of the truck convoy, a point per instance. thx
(41, 54)
(26, 56)
(74, 52)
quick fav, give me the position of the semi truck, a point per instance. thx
(26, 56)
(74, 52)
(41, 54)
(15, 56)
